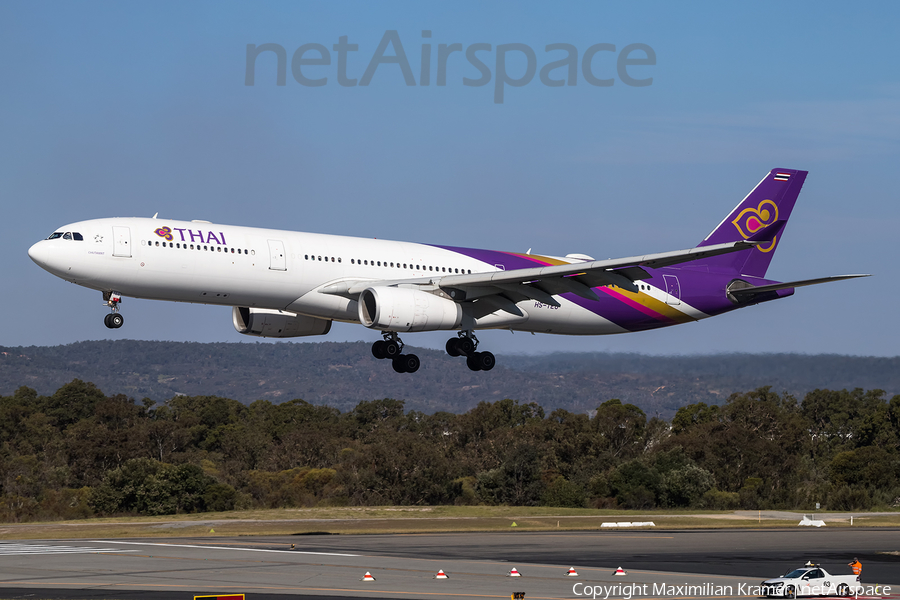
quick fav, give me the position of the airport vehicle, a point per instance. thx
(289, 284)
(810, 581)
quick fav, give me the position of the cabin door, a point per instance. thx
(673, 290)
(277, 260)
(122, 241)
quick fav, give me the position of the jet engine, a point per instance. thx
(405, 309)
(263, 322)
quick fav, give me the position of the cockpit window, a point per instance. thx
(77, 237)
(67, 236)
(55, 236)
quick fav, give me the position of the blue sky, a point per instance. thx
(126, 109)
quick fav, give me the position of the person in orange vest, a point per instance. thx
(856, 566)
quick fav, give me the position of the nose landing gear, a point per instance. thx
(391, 347)
(465, 345)
(114, 319)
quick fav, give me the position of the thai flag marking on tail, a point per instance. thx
(782, 176)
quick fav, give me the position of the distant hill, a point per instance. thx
(343, 374)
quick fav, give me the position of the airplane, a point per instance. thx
(283, 284)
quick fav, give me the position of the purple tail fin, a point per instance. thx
(770, 203)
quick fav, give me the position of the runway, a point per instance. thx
(716, 563)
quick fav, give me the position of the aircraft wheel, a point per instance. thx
(411, 363)
(116, 320)
(378, 349)
(473, 363)
(106, 321)
(465, 346)
(391, 349)
(399, 363)
(486, 360)
(452, 347)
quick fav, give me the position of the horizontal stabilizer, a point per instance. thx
(752, 290)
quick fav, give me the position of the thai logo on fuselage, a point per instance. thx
(189, 235)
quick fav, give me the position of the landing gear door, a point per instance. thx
(673, 290)
(122, 241)
(277, 260)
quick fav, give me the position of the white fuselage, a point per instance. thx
(201, 262)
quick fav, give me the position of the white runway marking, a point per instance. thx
(25, 549)
(228, 548)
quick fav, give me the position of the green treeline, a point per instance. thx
(80, 453)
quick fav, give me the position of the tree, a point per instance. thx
(564, 493)
(621, 426)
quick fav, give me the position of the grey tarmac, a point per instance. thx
(660, 564)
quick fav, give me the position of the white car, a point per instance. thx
(810, 581)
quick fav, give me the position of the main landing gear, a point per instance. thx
(114, 319)
(391, 347)
(465, 345)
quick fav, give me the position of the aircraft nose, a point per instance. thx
(47, 257)
(39, 253)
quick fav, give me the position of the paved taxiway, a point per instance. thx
(404, 565)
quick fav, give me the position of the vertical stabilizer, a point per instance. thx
(771, 201)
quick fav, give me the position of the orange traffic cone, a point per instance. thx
(514, 573)
(572, 572)
(441, 575)
(367, 577)
(620, 571)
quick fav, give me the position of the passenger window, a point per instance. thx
(332, 259)
(339, 259)
(67, 236)
(157, 243)
(417, 267)
(77, 237)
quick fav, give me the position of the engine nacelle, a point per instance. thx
(405, 309)
(263, 322)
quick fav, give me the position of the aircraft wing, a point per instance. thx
(542, 283)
